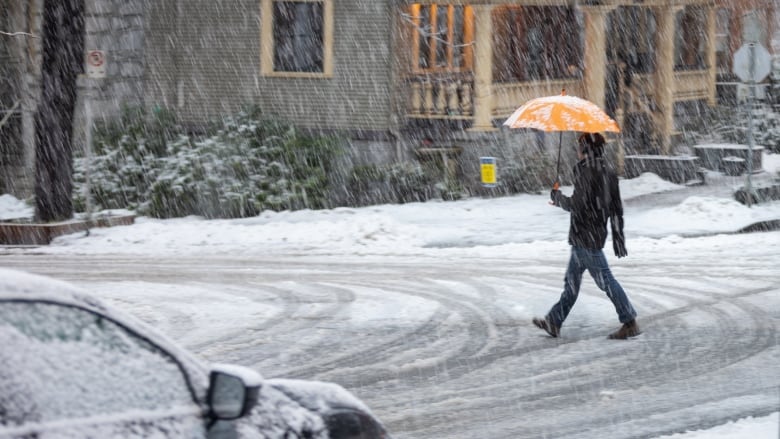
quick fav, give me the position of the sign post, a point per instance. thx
(95, 68)
(752, 63)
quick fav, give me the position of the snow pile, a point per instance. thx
(12, 208)
(700, 215)
(755, 428)
(646, 183)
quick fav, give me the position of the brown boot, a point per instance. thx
(547, 325)
(629, 329)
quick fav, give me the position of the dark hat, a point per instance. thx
(591, 144)
(591, 140)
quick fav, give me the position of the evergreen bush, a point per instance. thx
(248, 163)
(244, 165)
(404, 182)
(527, 174)
(729, 125)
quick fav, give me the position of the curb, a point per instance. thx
(761, 226)
(43, 234)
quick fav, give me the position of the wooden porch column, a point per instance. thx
(595, 57)
(664, 75)
(712, 69)
(483, 68)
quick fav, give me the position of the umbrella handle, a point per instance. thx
(558, 165)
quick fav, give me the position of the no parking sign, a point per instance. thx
(96, 64)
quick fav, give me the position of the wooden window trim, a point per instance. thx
(468, 35)
(267, 41)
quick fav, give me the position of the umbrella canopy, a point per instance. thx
(562, 113)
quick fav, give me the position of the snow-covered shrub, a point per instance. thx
(527, 174)
(766, 129)
(396, 183)
(730, 125)
(246, 164)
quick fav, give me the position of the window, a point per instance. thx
(443, 37)
(690, 39)
(634, 50)
(297, 37)
(528, 44)
(60, 362)
(722, 33)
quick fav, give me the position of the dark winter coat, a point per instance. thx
(596, 199)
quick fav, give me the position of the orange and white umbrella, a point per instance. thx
(562, 113)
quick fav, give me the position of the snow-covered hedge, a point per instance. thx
(397, 183)
(730, 125)
(245, 165)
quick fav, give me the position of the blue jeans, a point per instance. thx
(596, 263)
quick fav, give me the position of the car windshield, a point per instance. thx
(62, 362)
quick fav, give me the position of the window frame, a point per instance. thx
(466, 34)
(690, 26)
(723, 19)
(267, 40)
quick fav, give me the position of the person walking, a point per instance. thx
(596, 199)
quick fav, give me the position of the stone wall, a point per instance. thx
(203, 61)
(114, 26)
(117, 28)
(202, 57)
(359, 95)
(18, 96)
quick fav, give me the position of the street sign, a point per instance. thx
(96, 64)
(762, 60)
(753, 28)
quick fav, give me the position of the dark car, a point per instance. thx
(73, 367)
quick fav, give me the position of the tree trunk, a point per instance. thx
(63, 54)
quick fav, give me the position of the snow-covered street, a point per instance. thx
(423, 310)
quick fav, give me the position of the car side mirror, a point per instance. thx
(233, 391)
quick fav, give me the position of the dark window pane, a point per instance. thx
(457, 50)
(424, 30)
(298, 36)
(441, 36)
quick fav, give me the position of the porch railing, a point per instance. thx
(441, 96)
(691, 85)
(450, 96)
(507, 97)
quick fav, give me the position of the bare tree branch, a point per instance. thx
(427, 31)
(8, 114)
(18, 34)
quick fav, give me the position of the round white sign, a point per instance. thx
(96, 64)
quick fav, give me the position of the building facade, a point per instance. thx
(402, 79)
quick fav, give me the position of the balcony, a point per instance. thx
(692, 85)
(440, 96)
(450, 96)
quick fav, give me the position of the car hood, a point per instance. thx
(299, 408)
(317, 396)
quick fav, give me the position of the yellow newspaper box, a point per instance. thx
(487, 167)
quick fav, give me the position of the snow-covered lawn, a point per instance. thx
(476, 227)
